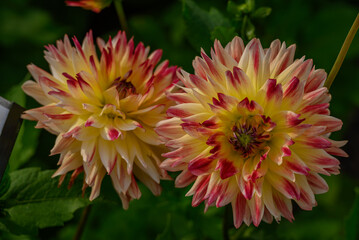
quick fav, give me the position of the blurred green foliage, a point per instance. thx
(34, 201)
(180, 28)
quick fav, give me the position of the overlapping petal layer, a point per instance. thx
(93, 5)
(104, 111)
(251, 129)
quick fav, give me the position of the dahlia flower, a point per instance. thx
(93, 5)
(104, 111)
(251, 129)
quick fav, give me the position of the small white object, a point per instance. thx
(3, 116)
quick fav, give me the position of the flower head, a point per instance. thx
(104, 111)
(251, 128)
(93, 5)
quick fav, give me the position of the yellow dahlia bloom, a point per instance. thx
(93, 5)
(252, 128)
(104, 111)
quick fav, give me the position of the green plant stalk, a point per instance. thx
(121, 15)
(82, 223)
(244, 26)
(343, 52)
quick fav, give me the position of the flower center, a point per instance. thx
(248, 136)
(111, 115)
(125, 88)
(244, 139)
(111, 112)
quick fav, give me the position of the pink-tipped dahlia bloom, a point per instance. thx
(93, 5)
(251, 128)
(104, 111)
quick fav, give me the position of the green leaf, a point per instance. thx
(200, 24)
(26, 142)
(35, 201)
(250, 5)
(8, 226)
(250, 29)
(235, 9)
(25, 145)
(5, 182)
(352, 223)
(10, 236)
(46, 213)
(262, 12)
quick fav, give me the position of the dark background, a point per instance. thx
(317, 27)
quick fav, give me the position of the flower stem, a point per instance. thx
(343, 52)
(82, 223)
(121, 15)
(225, 223)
